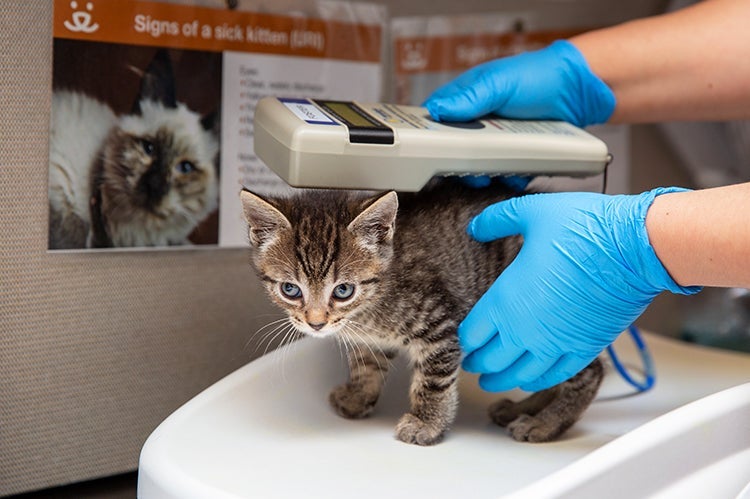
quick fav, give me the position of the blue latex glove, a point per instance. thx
(585, 272)
(516, 182)
(552, 83)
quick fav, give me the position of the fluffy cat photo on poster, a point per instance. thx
(396, 273)
(144, 178)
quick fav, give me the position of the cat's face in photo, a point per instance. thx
(322, 271)
(160, 163)
(134, 169)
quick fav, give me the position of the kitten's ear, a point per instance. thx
(157, 83)
(263, 220)
(211, 123)
(377, 223)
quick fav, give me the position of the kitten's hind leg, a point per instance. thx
(546, 415)
(368, 368)
(505, 411)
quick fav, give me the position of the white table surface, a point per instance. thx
(267, 431)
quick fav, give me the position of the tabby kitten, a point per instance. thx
(143, 179)
(397, 273)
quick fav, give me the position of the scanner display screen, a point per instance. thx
(362, 128)
(347, 112)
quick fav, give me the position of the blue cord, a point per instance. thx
(648, 363)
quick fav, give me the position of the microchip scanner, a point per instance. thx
(351, 145)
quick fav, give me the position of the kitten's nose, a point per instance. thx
(316, 325)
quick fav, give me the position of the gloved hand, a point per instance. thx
(585, 272)
(553, 83)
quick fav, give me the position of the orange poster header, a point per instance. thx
(158, 24)
(456, 53)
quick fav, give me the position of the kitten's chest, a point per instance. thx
(381, 328)
(403, 323)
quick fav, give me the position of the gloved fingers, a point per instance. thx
(476, 181)
(565, 368)
(463, 104)
(445, 90)
(503, 219)
(527, 368)
(479, 327)
(454, 86)
(517, 182)
(494, 356)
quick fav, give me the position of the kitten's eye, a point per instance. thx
(148, 146)
(343, 291)
(291, 290)
(185, 167)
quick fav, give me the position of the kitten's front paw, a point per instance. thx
(527, 428)
(412, 430)
(351, 402)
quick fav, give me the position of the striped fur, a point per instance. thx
(415, 274)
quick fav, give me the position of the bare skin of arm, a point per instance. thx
(691, 64)
(703, 237)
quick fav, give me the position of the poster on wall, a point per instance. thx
(151, 133)
(431, 50)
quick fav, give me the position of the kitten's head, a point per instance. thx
(159, 171)
(322, 255)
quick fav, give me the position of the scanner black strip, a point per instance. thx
(368, 131)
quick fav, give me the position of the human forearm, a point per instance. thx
(703, 237)
(691, 64)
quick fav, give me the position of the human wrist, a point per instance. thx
(635, 239)
(596, 99)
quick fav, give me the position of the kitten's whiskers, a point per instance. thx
(362, 334)
(359, 341)
(270, 337)
(285, 345)
(260, 331)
